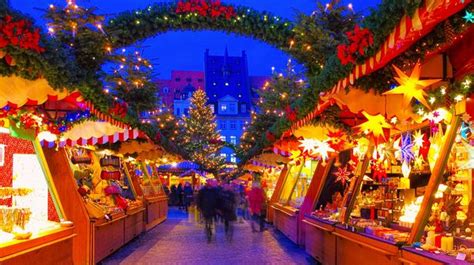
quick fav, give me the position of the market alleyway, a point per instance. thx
(180, 240)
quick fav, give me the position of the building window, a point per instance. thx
(223, 138)
(232, 108)
(224, 108)
(233, 125)
(212, 108)
(178, 79)
(189, 79)
(223, 125)
(223, 155)
(243, 108)
(186, 112)
(233, 139)
(178, 111)
(233, 159)
(242, 125)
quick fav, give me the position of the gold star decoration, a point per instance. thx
(411, 86)
(323, 148)
(374, 125)
(418, 139)
(307, 145)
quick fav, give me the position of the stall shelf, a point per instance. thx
(33, 226)
(296, 198)
(159, 206)
(104, 228)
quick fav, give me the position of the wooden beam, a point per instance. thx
(351, 195)
(435, 179)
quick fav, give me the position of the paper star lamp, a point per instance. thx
(411, 87)
(418, 139)
(406, 149)
(322, 149)
(376, 125)
(342, 175)
(469, 17)
(308, 145)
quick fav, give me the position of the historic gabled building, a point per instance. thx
(230, 89)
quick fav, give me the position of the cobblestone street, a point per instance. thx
(180, 240)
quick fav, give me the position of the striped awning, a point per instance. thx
(49, 140)
(403, 36)
(16, 92)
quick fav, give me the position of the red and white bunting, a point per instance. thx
(104, 117)
(116, 137)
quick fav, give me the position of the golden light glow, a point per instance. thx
(411, 86)
(374, 125)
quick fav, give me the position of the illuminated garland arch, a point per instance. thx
(132, 26)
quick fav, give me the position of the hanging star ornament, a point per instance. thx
(322, 149)
(342, 175)
(406, 149)
(308, 145)
(411, 87)
(469, 17)
(376, 125)
(418, 139)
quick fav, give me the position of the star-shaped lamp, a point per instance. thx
(411, 87)
(469, 17)
(376, 125)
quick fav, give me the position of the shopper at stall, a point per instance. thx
(180, 192)
(256, 198)
(173, 195)
(207, 205)
(227, 205)
(188, 195)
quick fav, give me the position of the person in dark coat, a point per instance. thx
(227, 206)
(174, 195)
(180, 192)
(188, 195)
(207, 203)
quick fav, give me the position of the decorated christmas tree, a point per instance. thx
(201, 139)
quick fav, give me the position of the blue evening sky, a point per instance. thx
(185, 50)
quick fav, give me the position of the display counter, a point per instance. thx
(355, 248)
(33, 226)
(276, 194)
(106, 218)
(148, 184)
(320, 242)
(296, 198)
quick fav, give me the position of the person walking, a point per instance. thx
(256, 198)
(227, 208)
(207, 204)
(188, 195)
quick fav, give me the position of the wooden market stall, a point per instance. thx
(34, 227)
(99, 195)
(157, 207)
(411, 182)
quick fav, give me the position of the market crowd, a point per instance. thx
(222, 202)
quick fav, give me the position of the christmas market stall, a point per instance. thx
(401, 194)
(35, 228)
(99, 195)
(148, 182)
(309, 150)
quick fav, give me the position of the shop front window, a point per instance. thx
(27, 207)
(302, 184)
